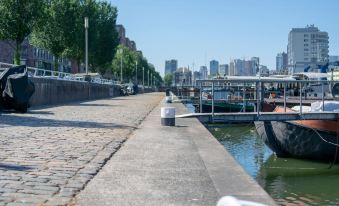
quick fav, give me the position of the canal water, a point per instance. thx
(289, 181)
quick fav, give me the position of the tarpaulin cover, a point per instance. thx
(16, 89)
(329, 106)
(9, 71)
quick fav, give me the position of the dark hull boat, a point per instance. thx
(307, 139)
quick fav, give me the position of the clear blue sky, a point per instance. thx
(197, 31)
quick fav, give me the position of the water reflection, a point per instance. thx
(289, 181)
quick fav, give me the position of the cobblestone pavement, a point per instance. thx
(48, 155)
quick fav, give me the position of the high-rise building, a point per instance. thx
(232, 68)
(306, 47)
(250, 67)
(196, 76)
(255, 65)
(171, 66)
(281, 62)
(203, 72)
(240, 67)
(223, 70)
(214, 68)
(256, 60)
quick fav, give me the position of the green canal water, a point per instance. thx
(289, 181)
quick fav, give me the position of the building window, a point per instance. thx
(305, 59)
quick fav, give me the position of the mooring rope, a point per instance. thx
(336, 148)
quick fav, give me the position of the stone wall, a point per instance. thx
(51, 91)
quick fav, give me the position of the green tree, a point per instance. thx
(168, 79)
(105, 37)
(102, 35)
(59, 26)
(18, 19)
(76, 48)
(128, 58)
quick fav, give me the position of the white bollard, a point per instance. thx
(232, 201)
(167, 116)
(228, 201)
(168, 99)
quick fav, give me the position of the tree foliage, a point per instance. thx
(105, 37)
(56, 33)
(18, 19)
(168, 79)
(58, 26)
(127, 59)
(63, 33)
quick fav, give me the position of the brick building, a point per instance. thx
(123, 39)
(34, 57)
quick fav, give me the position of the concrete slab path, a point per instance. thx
(181, 165)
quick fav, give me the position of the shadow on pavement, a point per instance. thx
(40, 112)
(123, 99)
(15, 167)
(27, 121)
(28, 112)
(97, 105)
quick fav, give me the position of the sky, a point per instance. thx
(197, 31)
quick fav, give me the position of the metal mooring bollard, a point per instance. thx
(167, 116)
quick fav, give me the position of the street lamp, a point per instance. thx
(86, 42)
(120, 52)
(136, 72)
(148, 79)
(143, 77)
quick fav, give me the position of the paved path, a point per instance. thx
(181, 165)
(48, 155)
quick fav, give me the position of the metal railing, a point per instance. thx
(48, 74)
(259, 89)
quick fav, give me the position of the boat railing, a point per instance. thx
(259, 90)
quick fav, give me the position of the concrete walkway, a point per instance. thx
(182, 165)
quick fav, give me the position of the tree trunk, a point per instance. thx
(56, 63)
(78, 65)
(17, 53)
